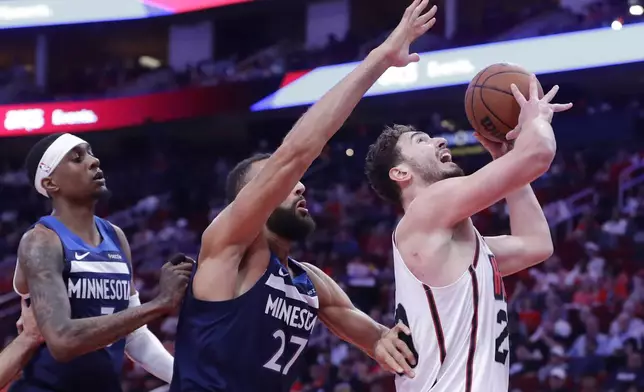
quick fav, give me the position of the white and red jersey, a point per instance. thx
(459, 331)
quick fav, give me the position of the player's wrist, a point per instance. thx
(158, 306)
(29, 340)
(381, 56)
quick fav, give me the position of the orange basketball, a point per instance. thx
(489, 104)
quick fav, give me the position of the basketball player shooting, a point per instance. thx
(449, 287)
(250, 309)
(75, 268)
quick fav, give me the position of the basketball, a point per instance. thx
(489, 104)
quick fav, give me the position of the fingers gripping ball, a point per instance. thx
(489, 104)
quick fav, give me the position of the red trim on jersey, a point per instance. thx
(440, 337)
(475, 327)
(476, 252)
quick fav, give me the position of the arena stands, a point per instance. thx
(577, 320)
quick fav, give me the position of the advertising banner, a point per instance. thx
(541, 55)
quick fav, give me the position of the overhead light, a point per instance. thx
(636, 10)
(149, 62)
(616, 25)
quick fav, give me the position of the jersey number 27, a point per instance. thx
(273, 362)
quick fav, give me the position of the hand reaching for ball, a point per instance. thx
(496, 149)
(534, 108)
(413, 24)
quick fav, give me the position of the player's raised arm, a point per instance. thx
(239, 224)
(530, 242)
(453, 200)
(41, 256)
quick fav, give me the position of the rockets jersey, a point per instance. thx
(98, 283)
(459, 331)
(252, 343)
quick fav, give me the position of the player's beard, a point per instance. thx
(102, 195)
(437, 172)
(453, 170)
(289, 224)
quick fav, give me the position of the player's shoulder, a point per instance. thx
(39, 235)
(38, 245)
(119, 232)
(216, 240)
(315, 274)
(308, 267)
(429, 210)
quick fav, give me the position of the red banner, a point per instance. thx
(83, 116)
(178, 6)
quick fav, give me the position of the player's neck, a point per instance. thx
(79, 218)
(279, 246)
(410, 193)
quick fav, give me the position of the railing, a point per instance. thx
(563, 213)
(629, 178)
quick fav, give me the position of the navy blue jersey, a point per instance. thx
(98, 283)
(251, 343)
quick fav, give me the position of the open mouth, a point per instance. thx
(99, 177)
(445, 156)
(301, 206)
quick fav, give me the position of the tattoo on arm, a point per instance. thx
(41, 257)
(41, 254)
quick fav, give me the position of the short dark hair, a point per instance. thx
(381, 157)
(236, 179)
(35, 155)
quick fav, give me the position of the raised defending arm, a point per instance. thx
(41, 255)
(453, 200)
(240, 223)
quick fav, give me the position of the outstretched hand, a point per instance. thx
(534, 108)
(393, 354)
(412, 25)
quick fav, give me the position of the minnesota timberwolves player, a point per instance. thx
(75, 268)
(249, 310)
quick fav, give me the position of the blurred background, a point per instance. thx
(172, 93)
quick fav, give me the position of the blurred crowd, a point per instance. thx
(576, 320)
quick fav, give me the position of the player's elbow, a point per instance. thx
(60, 350)
(540, 158)
(545, 251)
(62, 347)
(541, 250)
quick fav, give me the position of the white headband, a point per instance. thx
(52, 157)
